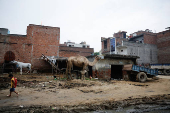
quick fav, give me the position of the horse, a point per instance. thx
(22, 65)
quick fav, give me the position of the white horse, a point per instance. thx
(22, 65)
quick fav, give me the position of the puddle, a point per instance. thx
(142, 108)
(13, 99)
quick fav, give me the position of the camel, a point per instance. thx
(79, 61)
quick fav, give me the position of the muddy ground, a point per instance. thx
(42, 93)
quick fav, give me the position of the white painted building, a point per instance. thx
(73, 44)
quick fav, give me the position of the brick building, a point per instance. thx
(145, 37)
(120, 34)
(110, 66)
(71, 49)
(109, 44)
(161, 40)
(163, 45)
(38, 40)
(150, 47)
(29, 48)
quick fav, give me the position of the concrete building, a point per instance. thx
(73, 44)
(4, 31)
(110, 66)
(150, 47)
(141, 43)
(160, 42)
(146, 52)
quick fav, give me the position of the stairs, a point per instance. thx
(56, 69)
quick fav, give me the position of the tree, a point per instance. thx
(96, 53)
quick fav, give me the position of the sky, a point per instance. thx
(86, 20)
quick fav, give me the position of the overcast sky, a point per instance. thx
(86, 20)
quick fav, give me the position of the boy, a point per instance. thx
(12, 89)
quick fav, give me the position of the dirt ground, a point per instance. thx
(44, 90)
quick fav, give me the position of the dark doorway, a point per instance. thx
(7, 65)
(90, 71)
(116, 71)
(9, 56)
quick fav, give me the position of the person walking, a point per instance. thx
(13, 85)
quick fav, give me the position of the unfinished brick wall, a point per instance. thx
(150, 39)
(29, 48)
(102, 45)
(142, 32)
(104, 73)
(163, 45)
(45, 41)
(119, 34)
(66, 51)
(105, 50)
(118, 42)
(15, 44)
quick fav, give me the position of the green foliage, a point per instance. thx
(63, 79)
(96, 53)
(87, 78)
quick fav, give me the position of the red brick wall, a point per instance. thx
(119, 34)
(66, 51)
(102, 73)
(163, 45)
(150, 39)
(108, 46)
(16, 45)
(102, 45)
(29, 48)
(119, 41)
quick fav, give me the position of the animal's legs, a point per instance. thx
(69, 65)
(21, 70)
(29, 70)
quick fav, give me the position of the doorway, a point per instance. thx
(90, 71)
(7, 65)
(9, 56)
(116, 71)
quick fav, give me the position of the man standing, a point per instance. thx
(12, 89)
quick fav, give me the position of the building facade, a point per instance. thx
(72, 49)
(110, 66)
(38, 40)
(29, 48)
(150, 47)
(163, 45)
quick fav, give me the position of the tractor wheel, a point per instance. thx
(141, 77)
(166, 71)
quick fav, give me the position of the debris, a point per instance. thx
(60, 84)
(21, 106)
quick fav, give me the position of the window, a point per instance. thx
(105, 44)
